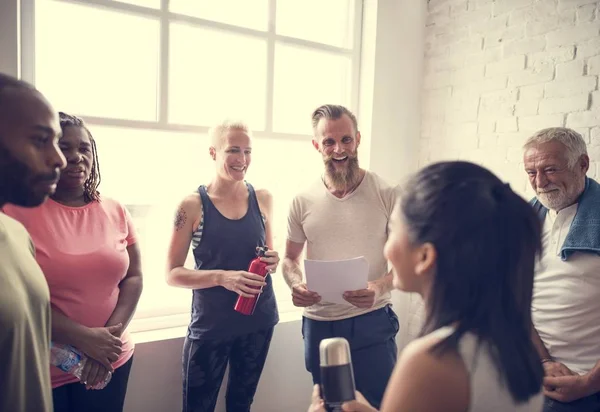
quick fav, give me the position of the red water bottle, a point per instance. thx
(246, 305)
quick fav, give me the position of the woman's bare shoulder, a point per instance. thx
(419, 370)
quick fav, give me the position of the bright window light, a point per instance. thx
(216, 75)
(323, 78)
(97, 62)
(253, 14)
(322, 21)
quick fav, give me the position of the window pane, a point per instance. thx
(275, 166)
(92, 61)
(145, 160)
(216, 75)
(253, 14)
(151, 172)
(304, 80)
(330, 22)
(153, 4)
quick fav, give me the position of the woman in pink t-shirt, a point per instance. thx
(86, 247)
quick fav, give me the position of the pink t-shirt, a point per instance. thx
(83, 254)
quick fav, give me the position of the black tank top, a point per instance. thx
(229, 245)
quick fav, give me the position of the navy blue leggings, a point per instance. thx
(204, 364)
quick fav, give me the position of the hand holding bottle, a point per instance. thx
(94, 374)
(243, 283)
(71, 360)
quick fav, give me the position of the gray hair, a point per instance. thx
(572, 140)
(217, 132)
(332, 112)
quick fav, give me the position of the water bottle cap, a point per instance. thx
(334, 352)
(261, 250)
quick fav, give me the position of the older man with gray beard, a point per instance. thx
(566, 298)
(345, 215)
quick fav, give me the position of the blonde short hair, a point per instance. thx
(218, 132)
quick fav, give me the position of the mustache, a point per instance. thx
(547, 190)
(350, 156)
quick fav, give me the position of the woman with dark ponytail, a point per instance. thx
(86, 246)
(467, 244)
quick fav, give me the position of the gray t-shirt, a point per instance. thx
(24, 324)
(346, 228)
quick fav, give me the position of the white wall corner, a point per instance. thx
(9, 37)
(389, 109)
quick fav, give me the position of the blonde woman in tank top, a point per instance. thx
(467, 244)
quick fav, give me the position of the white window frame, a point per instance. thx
(171, 317)
(165, 18)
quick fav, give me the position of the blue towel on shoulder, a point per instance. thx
(584, 235)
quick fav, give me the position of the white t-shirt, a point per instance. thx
(566, 297)
(335, 228)
(488, 392)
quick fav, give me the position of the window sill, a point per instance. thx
(177, 332)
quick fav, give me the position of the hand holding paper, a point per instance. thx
(363, 298)
(332, 278)
(302, 297)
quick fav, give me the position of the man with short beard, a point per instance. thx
(30, 162)
(566, 298)
(345, 215)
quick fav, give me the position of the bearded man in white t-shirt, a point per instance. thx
(344, 215)
(566, 299)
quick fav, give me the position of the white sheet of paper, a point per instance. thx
(331, 278)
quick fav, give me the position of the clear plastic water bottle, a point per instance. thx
(70, 360)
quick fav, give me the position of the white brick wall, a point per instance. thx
(496, 71)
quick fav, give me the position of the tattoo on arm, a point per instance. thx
(180, 219)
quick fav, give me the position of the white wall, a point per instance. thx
(496, 71)
(9, 37)
(155, 381)
(390, 109)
